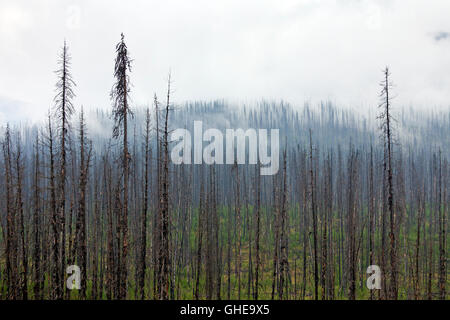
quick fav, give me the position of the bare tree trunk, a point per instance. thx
(258, 223)
(284, 264)
(199, 238)
(11, 245)
(238, 228)
(81, 221)
(145, 209)
(442, 236)
(164, 252)
(313, 210)
(55, 275)
(36, 224)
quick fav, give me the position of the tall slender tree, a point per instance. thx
(37, 275)
(314, 217)
(143, 253)
(164, 250)
(63, 112)
(11, 244)
(85, 154)
(387, 130)
(121, 110)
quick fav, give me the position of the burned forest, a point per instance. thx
(96, 193)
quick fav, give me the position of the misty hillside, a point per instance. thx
(330, 124)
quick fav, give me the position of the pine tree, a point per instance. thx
(387, 129)
(63, 111)
(121, 110)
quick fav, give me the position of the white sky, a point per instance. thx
(240, 50)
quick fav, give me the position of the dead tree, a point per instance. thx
(371, 207)
(258, 224)
(11, 244)
(164, 252)
(20, 216)
(442, 231)
(156, 217)
(38, 274)
(420, 215)
(314, 217)
(63, 111)
(142, 265)
(85, 154)
(200, 227)
(55, 244)
(352, 254)
(238, 227)
(110, 266)
(276, 226)
(387, 130)
(284, 223)
(121, 110)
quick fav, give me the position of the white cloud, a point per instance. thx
(292, 50)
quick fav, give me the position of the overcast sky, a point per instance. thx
(239, 50)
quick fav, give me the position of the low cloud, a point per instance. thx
(295, 50)
(442, 35)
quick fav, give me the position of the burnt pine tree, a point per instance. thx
(37, 275)
(156, 219)
(284, 223)
(387, 131)
(164, 250)
(81, 221)
(21, 223)
(442, 232)
(142, 265)
(258, 227)
(11, 247)
(314, 216)
(53, 209)
(63, 111)
(199, 237)
(121, 110)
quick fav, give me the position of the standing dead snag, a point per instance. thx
(304, 187)
(156, 219)
(96, 233)
(238, 228)
(199, 237)
(54, 252)
(352, 252)
(164, 252)
(21, 223)
(11, 245)
(121, 110)
(442, 231)
(217, 247)
(371, 206)
(284, 227)
(314, 216)
(81, 221)
(63, 110)
(258, 223)
(386, 127)
(37, 275)
(142, 265)
(276, 231)
(108, 187)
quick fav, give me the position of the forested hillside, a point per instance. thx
(97, 189)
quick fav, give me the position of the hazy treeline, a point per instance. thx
(99, 191)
